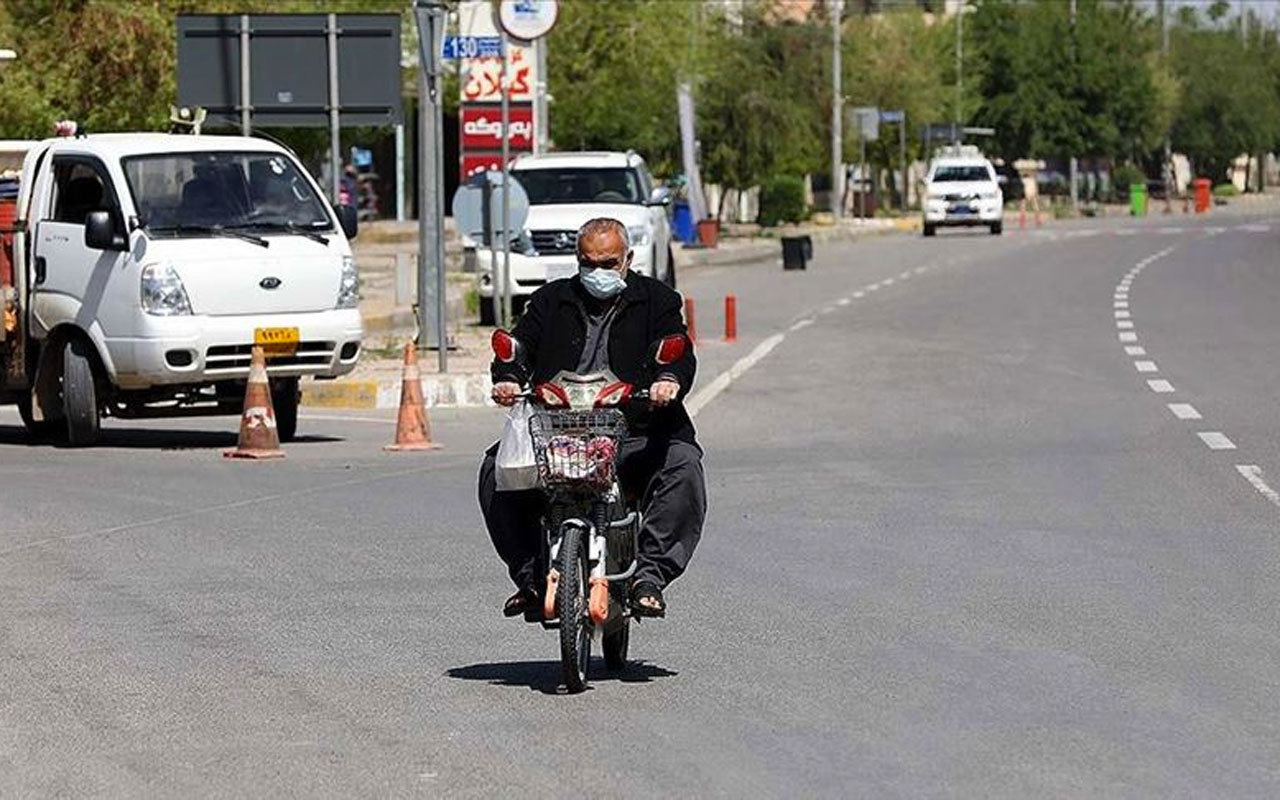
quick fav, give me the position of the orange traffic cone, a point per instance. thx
(413, 430)
(258, 436)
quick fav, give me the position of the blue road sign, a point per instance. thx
(471, 47)
(890, 117)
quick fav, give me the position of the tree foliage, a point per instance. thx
(761, 76)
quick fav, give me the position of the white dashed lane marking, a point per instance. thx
(1216, 440)
(1160, 386)
(1184, 411)
(1253, 474)
(1122, 313)
(844, 301)
(1128, 336)
(1145, 366)
(858, 295)
(1124, 324)
(1135, 350)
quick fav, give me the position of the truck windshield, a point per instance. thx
(958, 174)
(194, 192)
(581, 185)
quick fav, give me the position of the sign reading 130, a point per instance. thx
(471, 47)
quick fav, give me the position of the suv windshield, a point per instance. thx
(580, 185)
(179, 192)
(958, 174)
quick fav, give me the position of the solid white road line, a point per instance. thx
(1145, 366)
(1135, 350)
(1216, 440)
(1160, 386)
(724, 379)
(1184, 411)
(1253, 474)
(1128, 336)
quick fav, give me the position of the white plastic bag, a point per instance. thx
(517, 467)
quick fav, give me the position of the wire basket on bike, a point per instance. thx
(577, 450)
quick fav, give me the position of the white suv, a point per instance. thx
(565, 190)
(961, 190)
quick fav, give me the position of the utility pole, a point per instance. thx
(837, 134)
(430, 16)
(1075, 73)
(1168, 146)
(955, 124)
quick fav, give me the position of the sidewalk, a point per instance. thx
(386, 305)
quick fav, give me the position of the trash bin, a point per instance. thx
(796, 251)
(1204, 196)
(1138, 199)
(682, 221)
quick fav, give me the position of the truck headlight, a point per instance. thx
(163, 293)
(639, 235)
(349, 288)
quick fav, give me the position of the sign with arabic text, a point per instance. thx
(482, 127)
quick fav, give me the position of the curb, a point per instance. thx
(466, 390)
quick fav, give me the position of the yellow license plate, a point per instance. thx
(277, 341)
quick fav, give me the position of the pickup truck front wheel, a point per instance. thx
(79, 395)
(284, 401)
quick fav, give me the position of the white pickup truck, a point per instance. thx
(145, 267)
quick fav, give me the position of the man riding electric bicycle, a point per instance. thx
(606, 319)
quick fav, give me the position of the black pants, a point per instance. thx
(665, 475)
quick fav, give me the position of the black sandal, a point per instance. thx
(644, 590)
(522, 602)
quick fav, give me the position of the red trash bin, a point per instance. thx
(1204, 194)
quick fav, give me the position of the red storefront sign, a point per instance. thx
(482, 127)
(473, 163)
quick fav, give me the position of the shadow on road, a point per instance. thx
(151, 439)
(544, 676)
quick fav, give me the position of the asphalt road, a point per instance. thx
(958, 546)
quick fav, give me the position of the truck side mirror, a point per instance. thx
(661, 196)
(100, 232)
(348, 220)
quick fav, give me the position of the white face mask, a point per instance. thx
(601, 284)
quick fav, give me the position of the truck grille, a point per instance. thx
(232, 358)
(555, 243)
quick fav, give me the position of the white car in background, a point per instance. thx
(565, 190)
(961, 190)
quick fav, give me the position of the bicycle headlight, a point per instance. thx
(163, 293)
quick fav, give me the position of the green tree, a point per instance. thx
(1229, 100)
(1051, 88)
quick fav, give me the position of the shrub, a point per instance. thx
(1225, 190)
(782, 200)
(1124, 175)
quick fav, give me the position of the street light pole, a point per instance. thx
(955, 120)
(837, 134)
(1167, 176)
(1075, 73)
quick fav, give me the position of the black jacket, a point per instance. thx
(553, 332)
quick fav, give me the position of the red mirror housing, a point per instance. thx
(504, 346)
(671, 349)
